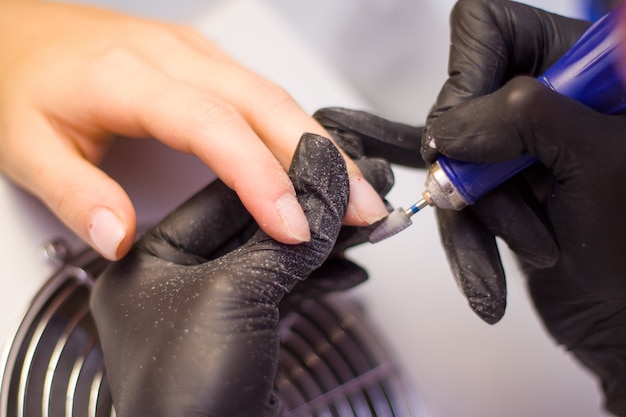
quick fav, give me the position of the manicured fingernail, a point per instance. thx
(365, 203)
(294, 220)
(106, 232)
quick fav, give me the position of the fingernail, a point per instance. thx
(293, 218)
(106, 232)
(365, 203)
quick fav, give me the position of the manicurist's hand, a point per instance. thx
(72, 78)
(494, 43)
(188, 320)
(563, 217)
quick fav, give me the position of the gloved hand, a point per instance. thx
(566, 235)
(491, 109)
(188, 319)
(492, 42)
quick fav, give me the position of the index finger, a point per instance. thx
(129, 96)
(277, 119)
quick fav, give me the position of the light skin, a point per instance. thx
(72, 78)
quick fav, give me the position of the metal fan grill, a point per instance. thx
(331, 361)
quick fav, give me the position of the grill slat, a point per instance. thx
(331, 363)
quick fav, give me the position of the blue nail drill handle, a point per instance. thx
(586, 73)
(473, 180)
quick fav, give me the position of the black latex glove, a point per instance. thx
(188, 325)
(491, 43)
(338, 273)
(492, 109)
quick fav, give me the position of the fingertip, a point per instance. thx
(365, 206)
(109, 234)
(489, 311)
(278, 213)
(95, 207)
(88, 201)
(294, 224)
(103, 216)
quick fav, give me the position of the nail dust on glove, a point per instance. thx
(188, 318)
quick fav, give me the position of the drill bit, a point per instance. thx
(395, 222)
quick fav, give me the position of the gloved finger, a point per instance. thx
(470, 245)
(372, 142)
(474, 259)
(336, 274)
(493, 41)
(103, 216)
(320, 178)
(363, 134)
(524, 117)
(513, 213)
(378, 173)
(324, 279)
(197, 230)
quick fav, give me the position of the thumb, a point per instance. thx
(88, 201)
(524, 116)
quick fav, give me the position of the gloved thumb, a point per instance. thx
(524, 116)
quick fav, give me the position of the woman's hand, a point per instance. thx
(72, 78)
